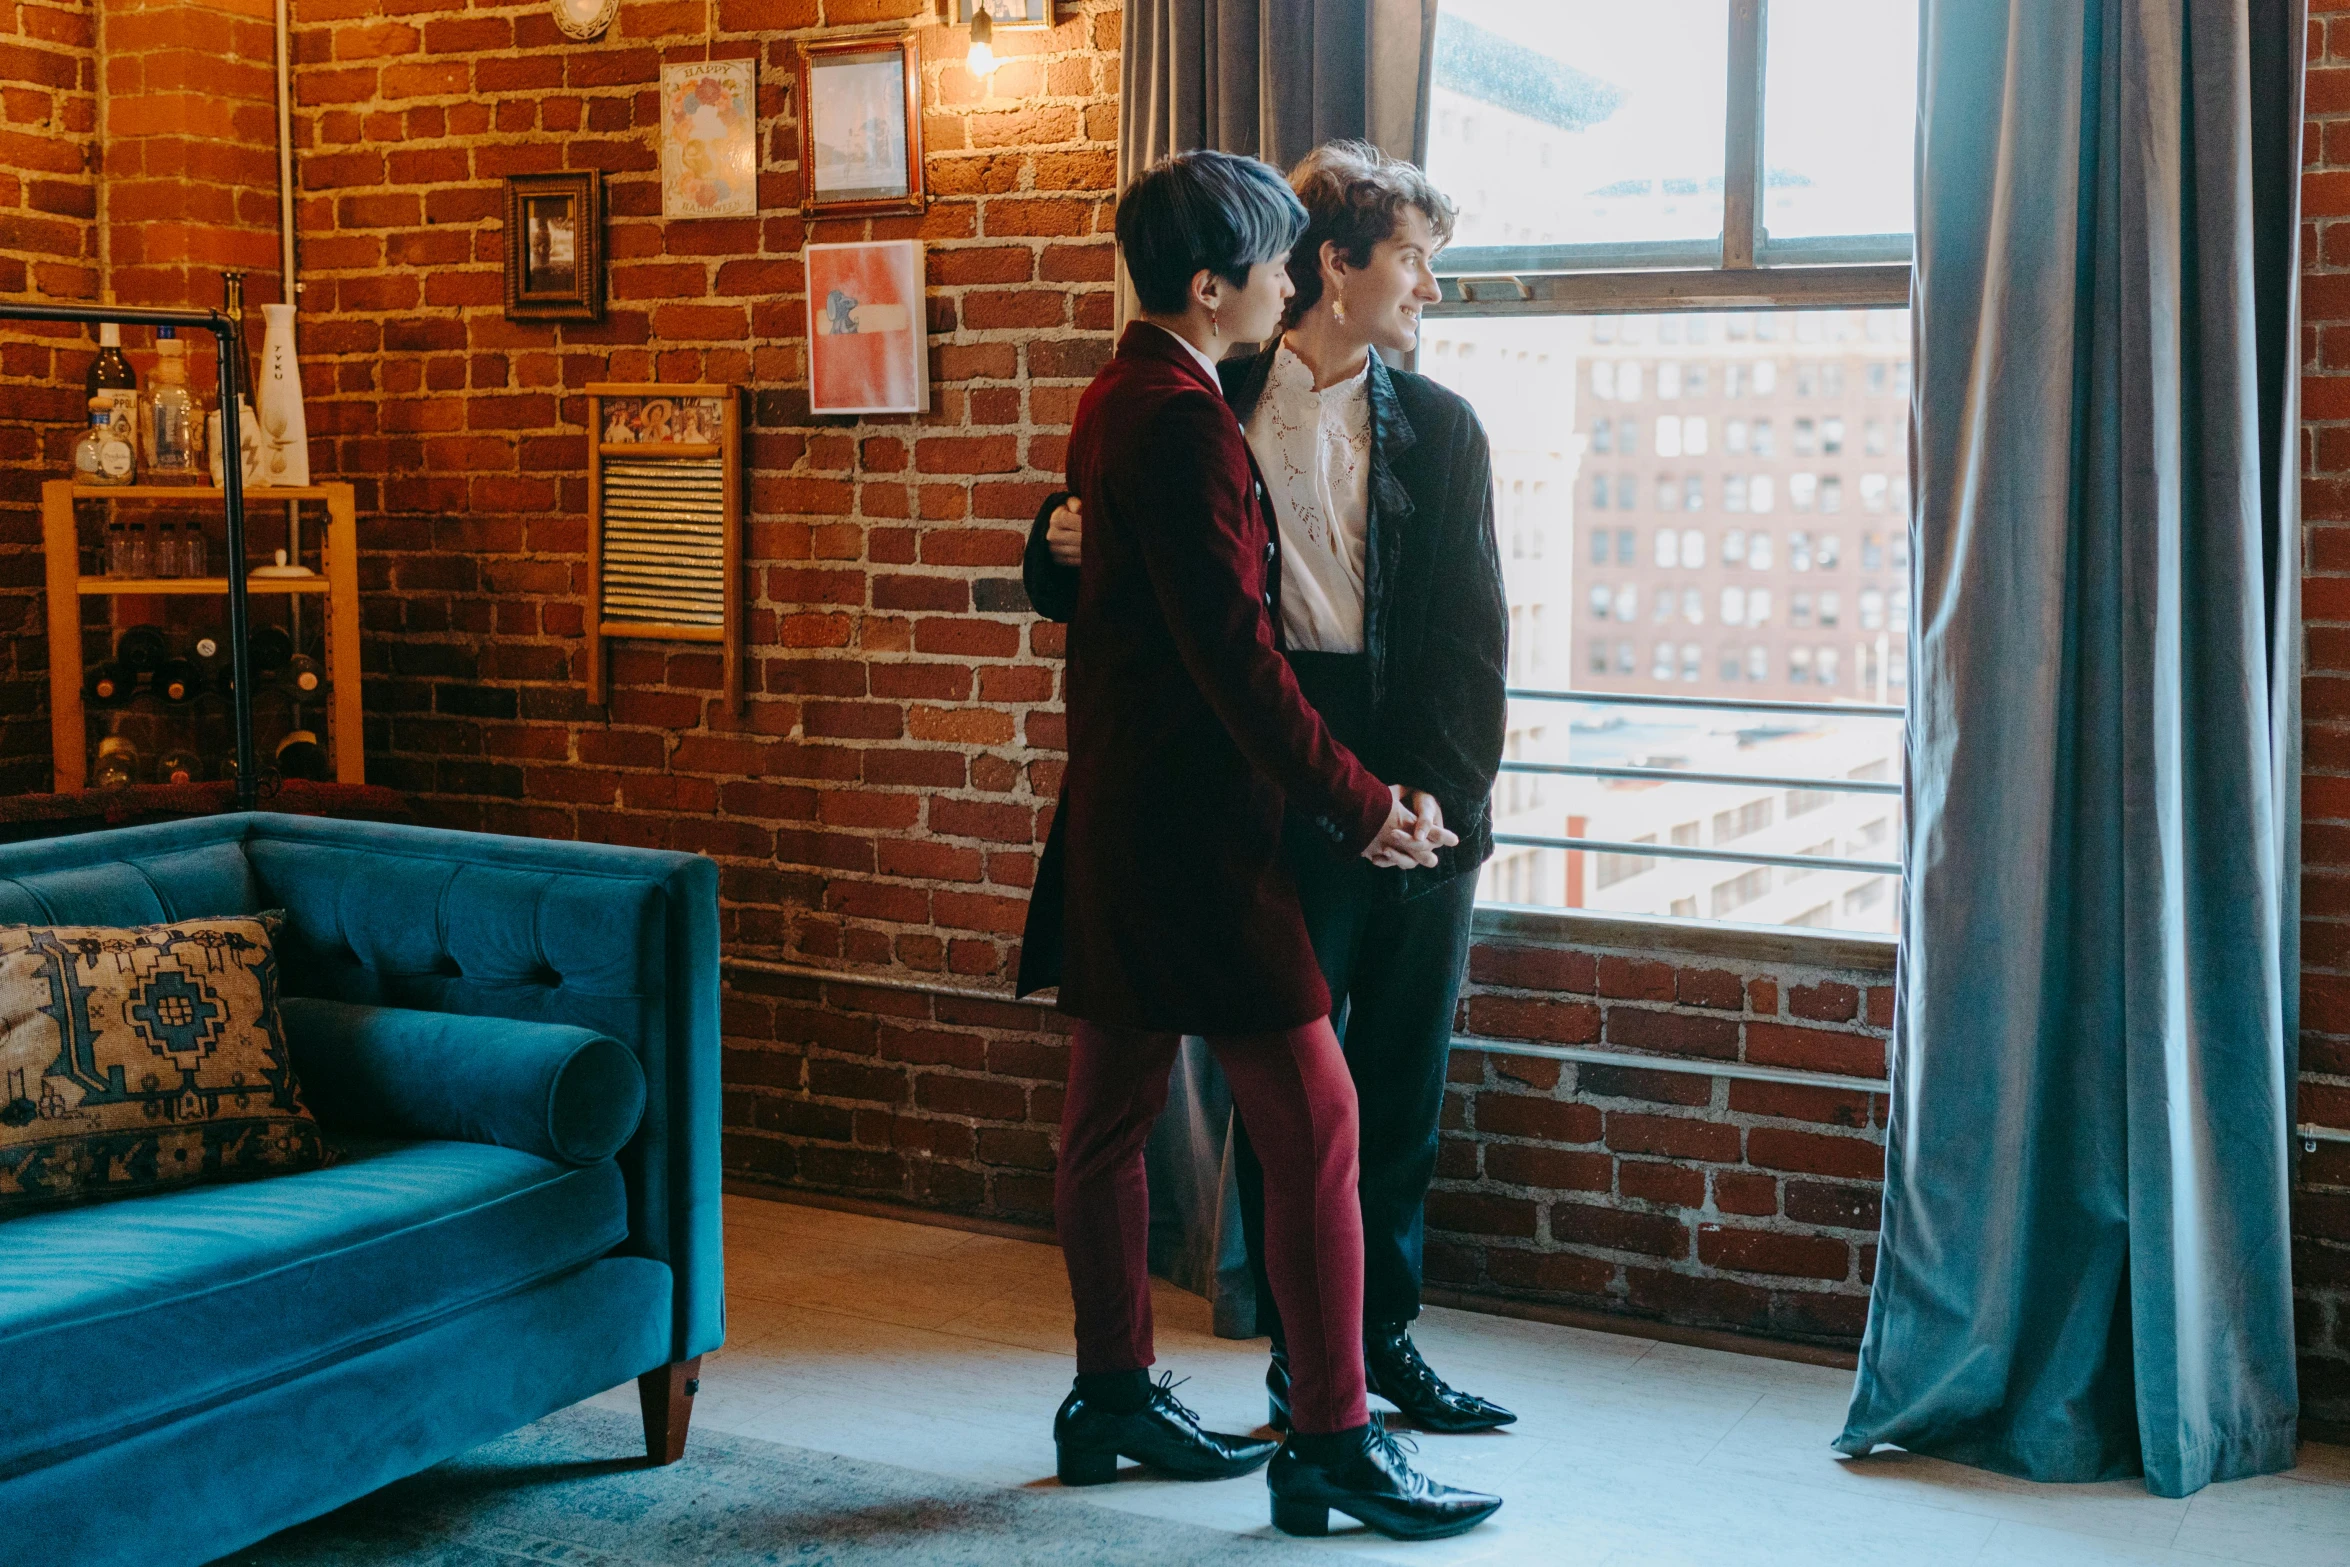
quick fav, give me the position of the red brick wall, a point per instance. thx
(1739, 1204)
(48, 249)
(189, 127)
(880, 800)
(2321, 1211)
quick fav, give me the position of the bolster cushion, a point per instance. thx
(563, 1093)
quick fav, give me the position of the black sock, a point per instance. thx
(1119, 1392)
(1328, 1447)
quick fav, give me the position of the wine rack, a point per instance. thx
(337, 584)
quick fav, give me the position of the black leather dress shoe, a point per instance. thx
(1396, 1373)
(1162, 1434)
(1393, 1369)
(1373, 1484)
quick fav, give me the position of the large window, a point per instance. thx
(1677, 297)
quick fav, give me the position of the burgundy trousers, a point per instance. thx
(1298, 1102)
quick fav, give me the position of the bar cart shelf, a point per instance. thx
(338, 584)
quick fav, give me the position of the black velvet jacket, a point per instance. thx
(1435, 617)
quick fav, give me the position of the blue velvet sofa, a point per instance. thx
(183, 1374)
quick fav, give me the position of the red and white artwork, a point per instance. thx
(865, 328)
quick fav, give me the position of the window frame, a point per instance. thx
(1745, 270)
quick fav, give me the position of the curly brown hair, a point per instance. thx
(1353, 194)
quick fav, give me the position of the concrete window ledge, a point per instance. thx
(1758, 946)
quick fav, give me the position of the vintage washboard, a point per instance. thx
(665, 521)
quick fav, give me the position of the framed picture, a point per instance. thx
(1005, 13)
(866, 334)
(860, 127)
(555, 246)
(710, 140)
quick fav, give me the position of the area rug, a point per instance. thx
(553, 1493)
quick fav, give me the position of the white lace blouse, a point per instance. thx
(1315, 450)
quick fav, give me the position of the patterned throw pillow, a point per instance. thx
(139, 1060)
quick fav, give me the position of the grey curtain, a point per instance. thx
(1274, 79)
(2085, 1271)
(1271, 78)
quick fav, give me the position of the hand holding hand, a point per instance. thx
(1405, 840)
(1064, 533)
(1432, 829)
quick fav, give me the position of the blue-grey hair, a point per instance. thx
(1203, 212)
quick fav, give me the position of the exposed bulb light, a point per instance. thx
(981, 60)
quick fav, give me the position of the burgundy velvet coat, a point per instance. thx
(1187, 732)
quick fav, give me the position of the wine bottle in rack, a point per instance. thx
(179, 765)
(108, 684)
(299, 755)
(175, 680)
(119, 763)
(209, 649)
(304, 677)
(271, 649)
(141, 648)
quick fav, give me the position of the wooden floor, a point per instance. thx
(943, 1351)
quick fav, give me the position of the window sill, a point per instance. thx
(1792, 946)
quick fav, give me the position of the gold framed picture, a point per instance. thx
(555, 246)
(861, 127)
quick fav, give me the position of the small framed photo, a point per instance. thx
(866, 332)
(1006, 13)
(710, 140)
(555, 246)
(860, 127)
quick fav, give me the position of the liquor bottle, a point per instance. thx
(167, 549)
(101, 455)
(299, 755)
(175, 424)
(304, 677)
(271, 648)
(110, 371)
(175, 681)
(194, 556)
(142, 552)
(108, 684)
(141, 648)
(119, 763)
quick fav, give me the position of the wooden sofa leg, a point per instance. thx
(667, 1395)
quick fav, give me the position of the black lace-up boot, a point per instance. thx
(1363, 1473)
(1092, 1434)
(1395, 1371)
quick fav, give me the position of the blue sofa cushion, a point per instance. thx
(143, 1057)
(118, 1316)
(563, 1093)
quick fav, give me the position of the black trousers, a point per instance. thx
(1394, 971)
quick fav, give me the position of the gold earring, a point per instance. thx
(1215, 328)
(1338, 309)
